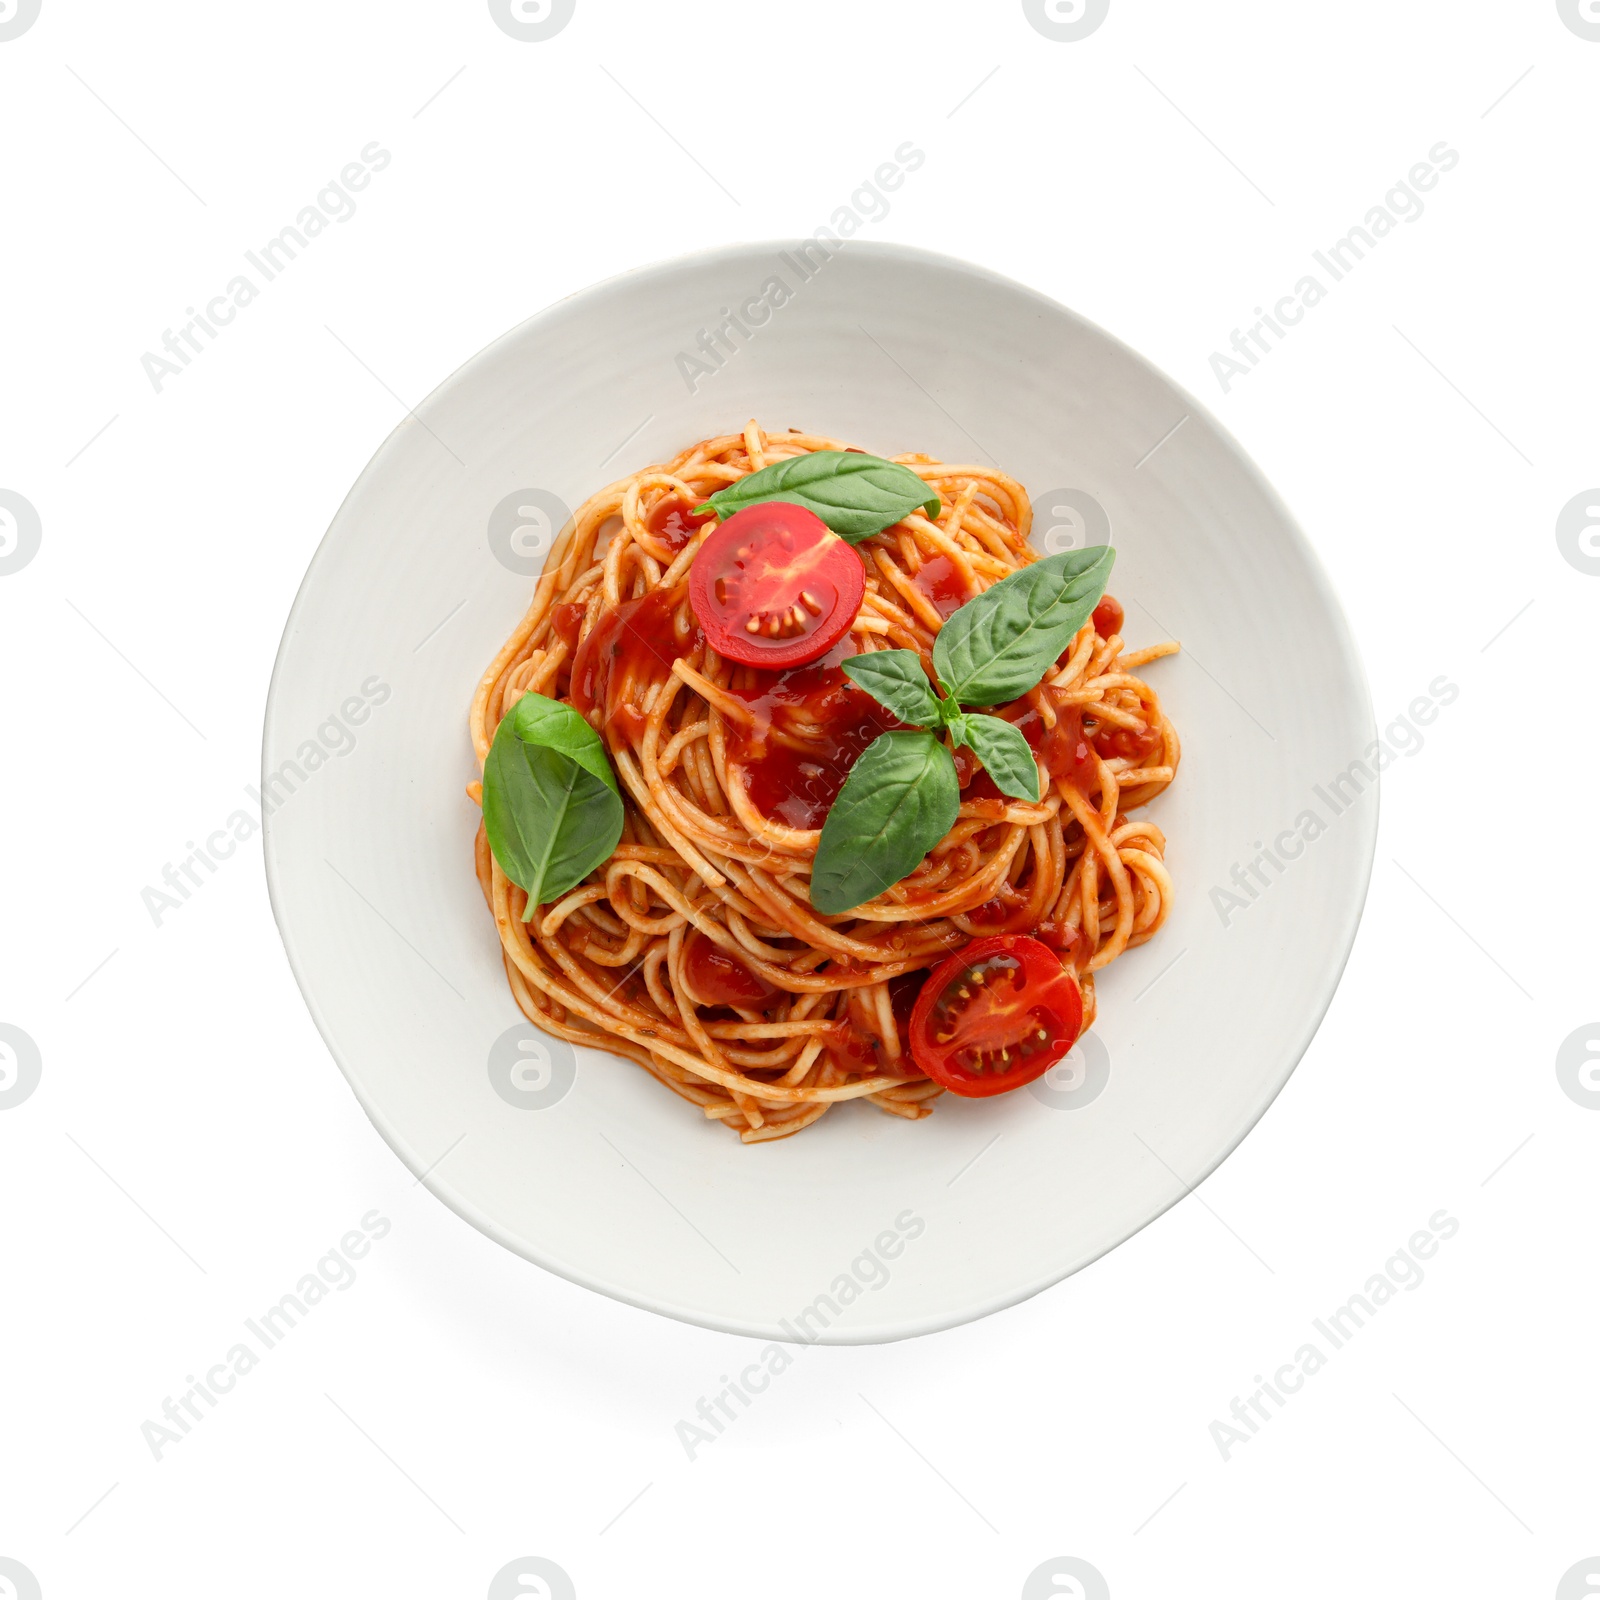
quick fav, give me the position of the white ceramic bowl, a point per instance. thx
(882, 1228)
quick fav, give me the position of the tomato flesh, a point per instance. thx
(773, 586)
(995, 1015)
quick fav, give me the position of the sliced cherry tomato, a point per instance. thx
(995, 1016)
(720, 979)
(773, 586)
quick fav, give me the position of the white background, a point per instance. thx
(191, 1151)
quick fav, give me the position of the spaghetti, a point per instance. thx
(694, 950)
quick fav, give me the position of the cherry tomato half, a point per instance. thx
(995, 1016)
(773, 586)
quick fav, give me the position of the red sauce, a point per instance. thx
(829, 721)
(1108, 617)
(1007, 913)
(1136, 747)
(672, 523)
(941, 581)
(565, 622)
(1002, 914)
(903, 992)
(1064, 748)
(855, 1043)
(720, 979)
(1057, 936)
(629, 648)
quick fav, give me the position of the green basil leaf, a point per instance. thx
(900, 800)
(895, 678)
(1005, 754)
(537, 719)
(551, 806)
(856, 495)
(1003, 641)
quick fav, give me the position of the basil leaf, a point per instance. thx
(900, 800)
(856, 495)
(540, 720)
(551, 805)
(895, 678)
(1005, 754)
(1003, 641)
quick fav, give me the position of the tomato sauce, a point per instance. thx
(830, 722)
(630, 647)
(1065, 749)
(565, 622)
(1108, 616)
(672, 523)
(1135, 747)
(941, 581)
(721, 979)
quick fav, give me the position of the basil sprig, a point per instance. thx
(854, 494)
(551, 805)
(902, 796)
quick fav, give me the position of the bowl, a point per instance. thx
(865, 1227)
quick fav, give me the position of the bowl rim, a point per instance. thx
(1364, 839)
